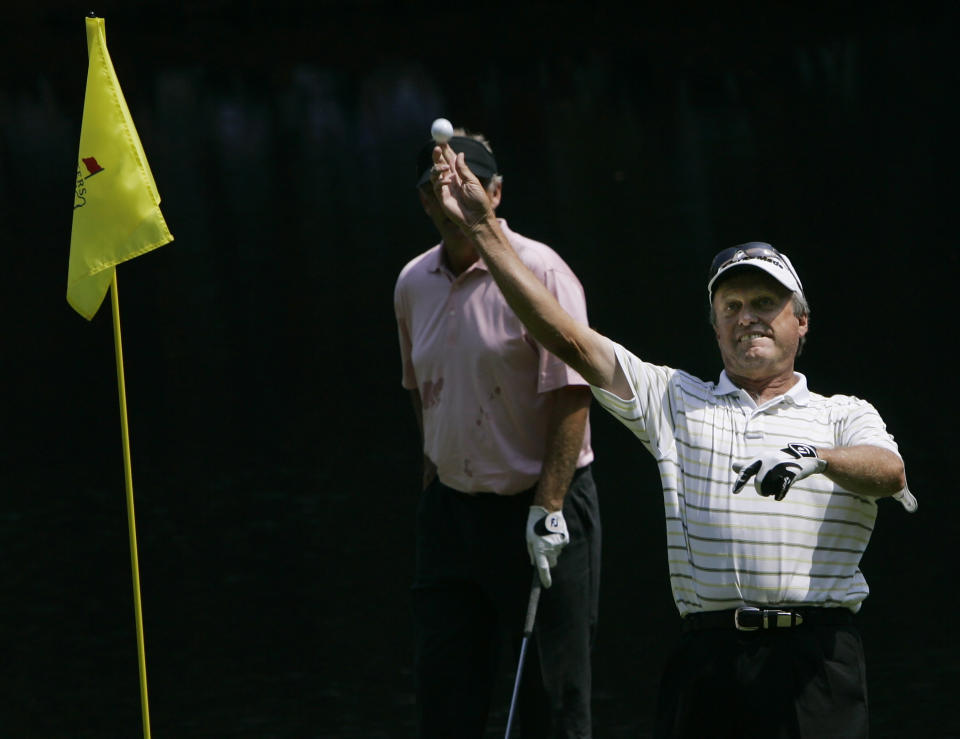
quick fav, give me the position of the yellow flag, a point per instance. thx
(116, 208)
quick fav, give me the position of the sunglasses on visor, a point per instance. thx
(752, 251)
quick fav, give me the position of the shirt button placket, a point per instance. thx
(451, 316)
(753, 431)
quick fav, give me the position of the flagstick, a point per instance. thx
(131, 523)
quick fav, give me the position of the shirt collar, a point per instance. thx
(434, 263)
(799, 394)
(725, 385)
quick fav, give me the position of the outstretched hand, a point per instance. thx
(777, 471)
(459, 191)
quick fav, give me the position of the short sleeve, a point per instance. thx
(408, 376)
(862, 424)
(647, 412)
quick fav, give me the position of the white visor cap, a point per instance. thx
(759, 255)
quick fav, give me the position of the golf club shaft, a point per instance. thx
(527, 630)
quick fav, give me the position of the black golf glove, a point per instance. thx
(777, 471)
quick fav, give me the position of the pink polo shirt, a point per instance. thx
(483, 380)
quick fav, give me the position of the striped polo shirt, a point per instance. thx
(727, 550)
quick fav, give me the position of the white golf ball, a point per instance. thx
(441, 130)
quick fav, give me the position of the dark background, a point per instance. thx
(275, 457)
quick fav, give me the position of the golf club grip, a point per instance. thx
(532, 604)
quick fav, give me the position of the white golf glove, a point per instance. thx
(777, 471)
(906, 500)
(546, 537)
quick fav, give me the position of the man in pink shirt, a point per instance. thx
(506, 450)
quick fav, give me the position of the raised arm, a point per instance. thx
(466, 204)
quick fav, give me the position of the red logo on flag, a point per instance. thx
(92, 166)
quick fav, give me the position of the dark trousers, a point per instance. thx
(808, 681)
(470, 596)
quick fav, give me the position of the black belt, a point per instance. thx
(749, 618)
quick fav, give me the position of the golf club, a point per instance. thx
(527, 630)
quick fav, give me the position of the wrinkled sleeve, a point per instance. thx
(862, 424)
(648, 412)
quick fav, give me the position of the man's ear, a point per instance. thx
(495, 193)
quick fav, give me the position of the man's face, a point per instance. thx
(432, 207)
(757, 331)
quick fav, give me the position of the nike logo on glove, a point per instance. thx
(777, 471)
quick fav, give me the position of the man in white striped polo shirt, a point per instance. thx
(770, 491)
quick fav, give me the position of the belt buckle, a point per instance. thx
(746, 610)
(766, 618)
